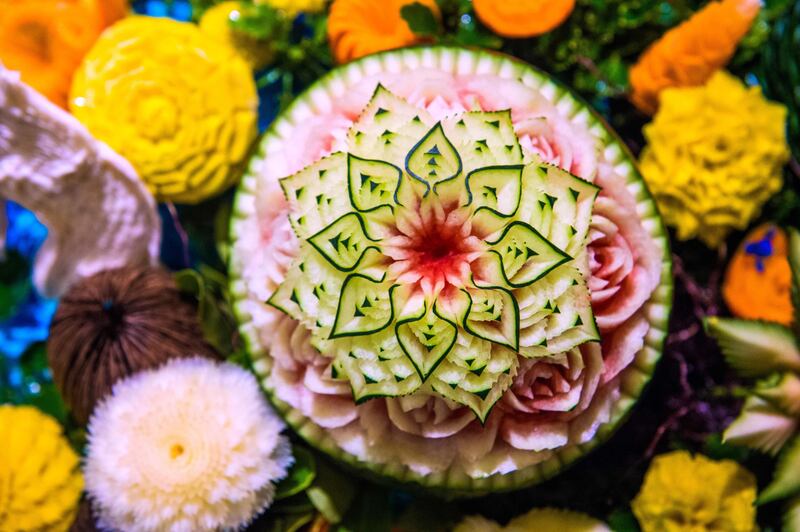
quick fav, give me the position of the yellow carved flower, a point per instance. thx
(714, 156)
(539, 520)
(216, 22)
(684, 493)
(180, 106)
(40, 478)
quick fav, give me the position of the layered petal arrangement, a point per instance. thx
(190, 446)
(447, 270)
(435, 265)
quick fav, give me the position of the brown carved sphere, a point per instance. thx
(113, 324)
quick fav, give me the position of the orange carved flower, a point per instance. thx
(687, 55)
(523, 18)
(46, 39)
(361, 27)
(757, 284)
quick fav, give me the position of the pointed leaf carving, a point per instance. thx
(434, 158)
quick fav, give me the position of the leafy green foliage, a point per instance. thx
(301, 475)
(210, 288)
(459, 26)
(14, 282)
(779, 68)
(420, 19)
(623, 521)
(331, 493)
(370, 511)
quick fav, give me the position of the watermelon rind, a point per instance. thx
(656, 310)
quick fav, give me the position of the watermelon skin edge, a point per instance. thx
(634, 378)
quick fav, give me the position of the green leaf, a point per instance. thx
(791, 516)
(331, 492)
(420, 19)
(754, 348)
(371, 511)
(221, 226)
(623, 521)
(786, 479)
(15, 283)
(301, 475)
(296, 504)
(213, 312)
(715, 448)
(794, 262)
(285, 523)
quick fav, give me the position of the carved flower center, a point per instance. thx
(433, 249)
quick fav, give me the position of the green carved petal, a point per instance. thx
(537, 301)
(761, 426)
(493, 316)
(411, 192)
(786, 479)
(525, 255)
(471, 353)
(426, 341)
(496, 188)
(452, 191)
(371, 183)
(569, 323)
(376, 366)
(291, 295)
(536, 204)
(312, 194)
(484, 139)
(365, 307)
(310, 291)
(344, 242)
(387, 128)
(755, 348)
(433, 158)
(571, 206)
(478, 382)
(488, 225)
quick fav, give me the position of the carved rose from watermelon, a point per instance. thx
(448, 271)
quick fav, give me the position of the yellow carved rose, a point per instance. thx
(714, 156)
(685, 493)
(180, 106)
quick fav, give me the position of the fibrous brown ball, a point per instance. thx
(113, 324)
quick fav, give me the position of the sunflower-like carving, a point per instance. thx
(434, 256)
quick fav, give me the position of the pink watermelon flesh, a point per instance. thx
(553, 403)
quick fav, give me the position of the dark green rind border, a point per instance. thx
(657, 309)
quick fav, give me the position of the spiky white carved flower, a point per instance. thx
(434, 254)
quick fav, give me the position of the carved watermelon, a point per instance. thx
(448, 271)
